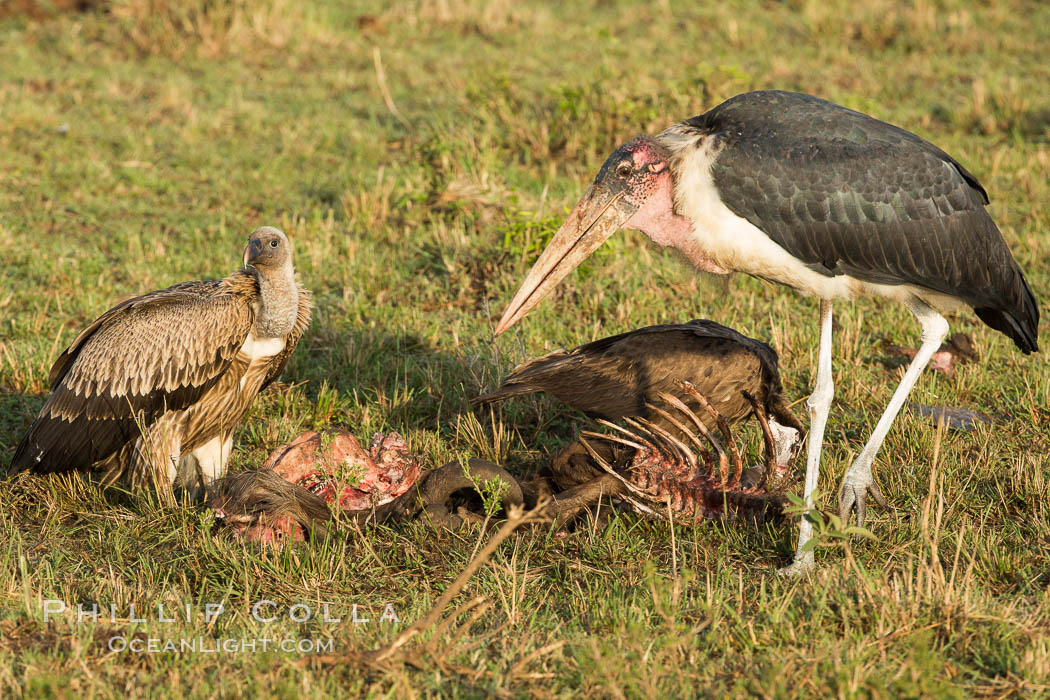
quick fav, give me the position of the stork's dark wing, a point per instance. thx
(848, 194)
(302, 323)
(617, 376)
(155, 353)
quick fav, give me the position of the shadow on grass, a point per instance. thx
(17, 411)
(370, 379)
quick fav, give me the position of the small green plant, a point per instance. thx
(351, 472)
(490, 490)
(828, 528)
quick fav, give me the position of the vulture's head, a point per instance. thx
(633, 189)
(268, 249)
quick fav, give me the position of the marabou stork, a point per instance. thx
(797, 190)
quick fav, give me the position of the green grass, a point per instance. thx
(142, 142)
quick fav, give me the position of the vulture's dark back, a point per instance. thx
(618, 376)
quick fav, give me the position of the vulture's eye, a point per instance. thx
(273, 244)
(623, 169)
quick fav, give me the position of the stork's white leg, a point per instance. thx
(858, 481)
(819, 404)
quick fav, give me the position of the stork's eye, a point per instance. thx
(623, 169)
(273, 244)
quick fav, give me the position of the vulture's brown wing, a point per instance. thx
(302, 323)
(616, 376)
(155, 353)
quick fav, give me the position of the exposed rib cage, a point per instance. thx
(704, 479)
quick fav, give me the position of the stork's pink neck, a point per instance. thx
(657, 219)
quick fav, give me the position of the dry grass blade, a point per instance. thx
(384, 90)
(517, 668)
(517, 517)
(479, 605)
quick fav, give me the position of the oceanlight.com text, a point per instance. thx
(209, 645)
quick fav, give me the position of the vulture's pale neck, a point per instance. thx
(278, 301)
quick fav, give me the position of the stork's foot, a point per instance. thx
(857, 485)
(802, 565)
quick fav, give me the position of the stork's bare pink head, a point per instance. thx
(633, 189)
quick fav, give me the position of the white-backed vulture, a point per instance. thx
(153, 389)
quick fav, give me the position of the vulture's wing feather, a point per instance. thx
(64, 361)
(151, 354)
(849, 194)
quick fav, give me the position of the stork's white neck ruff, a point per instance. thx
(735, 244)
(659, 220)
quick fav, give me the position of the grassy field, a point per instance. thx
(419, 153)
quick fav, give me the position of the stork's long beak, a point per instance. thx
(596, 217)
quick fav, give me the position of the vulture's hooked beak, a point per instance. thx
(597, 216)
(251, 250)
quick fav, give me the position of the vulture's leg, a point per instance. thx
(819, 404)
(157, 456)
(213, 457)
(189, 473)
(858, 483)
(205, 464)
(224, 459)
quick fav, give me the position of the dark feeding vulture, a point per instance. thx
(153, 390)
(630, 374)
